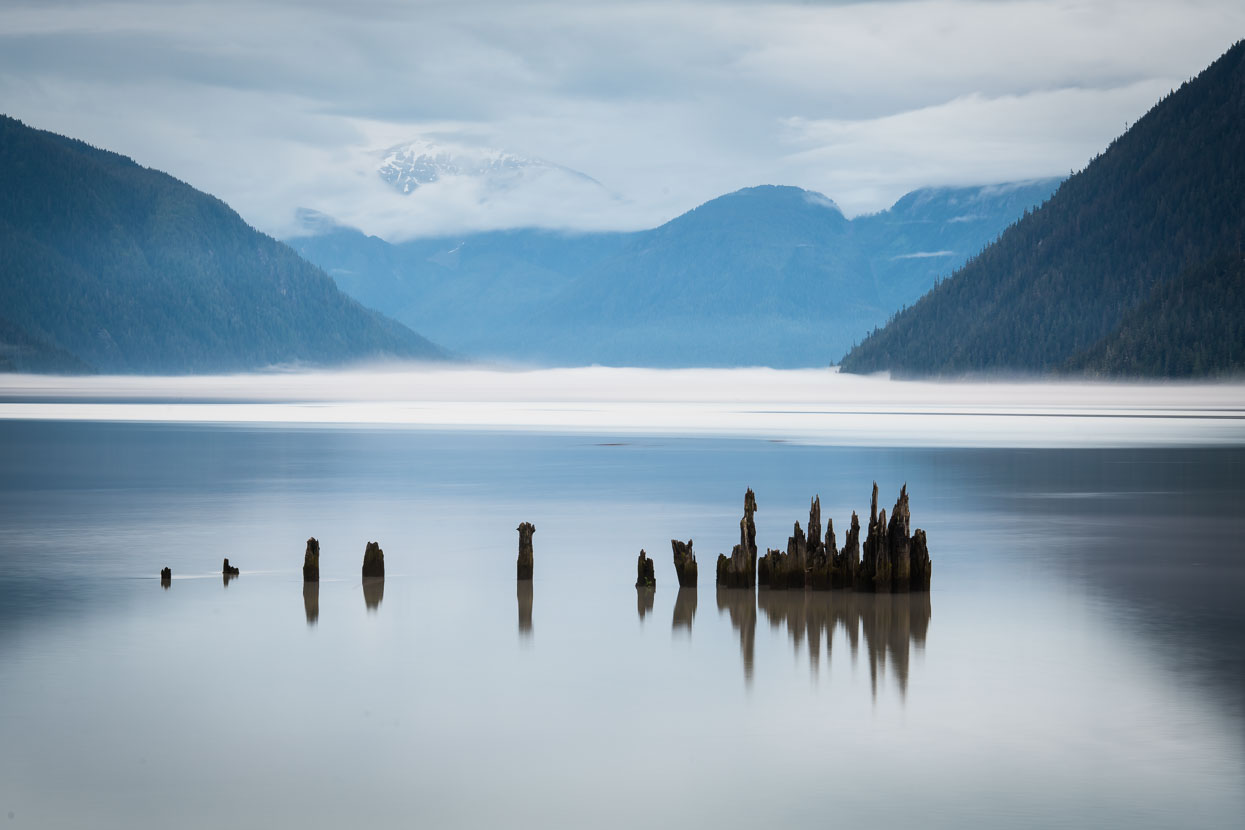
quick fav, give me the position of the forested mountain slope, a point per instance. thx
(1057, 289)
(127, 269)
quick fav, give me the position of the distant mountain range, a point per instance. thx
(110, 266)
(1135, 265)
(773, 276)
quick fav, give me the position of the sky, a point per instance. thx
(636, 111)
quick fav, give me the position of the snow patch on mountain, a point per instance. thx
(420, 162)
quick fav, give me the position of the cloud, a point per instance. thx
(274, 104)
(966, 140)
(924, 254)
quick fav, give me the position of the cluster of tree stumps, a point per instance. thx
(893, 560)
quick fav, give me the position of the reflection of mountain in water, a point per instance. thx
(684, 609)
(741, 605)
(311, 601)
(525, 607)
(644, 599)
(890, 623)
(373, 591)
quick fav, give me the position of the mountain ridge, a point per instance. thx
(129, 269)
(767, 275)
(1164, 197)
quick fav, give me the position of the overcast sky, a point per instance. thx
(275, 105)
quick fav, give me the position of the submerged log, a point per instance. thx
(684, 563)
(311, 561)
(525, 563)
(644, 577)
(228, 570)
(740, 569)
(373, 561)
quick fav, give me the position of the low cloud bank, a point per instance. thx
(802, 406)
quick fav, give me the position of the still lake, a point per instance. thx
(1080, 659)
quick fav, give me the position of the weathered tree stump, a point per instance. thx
(740, 569)
(645, 577)
(921, 566)
(684, 563)
(847, 563)
(373, 561)
(311, 561)
(525, 563)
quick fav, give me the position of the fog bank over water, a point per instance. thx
(816, 406)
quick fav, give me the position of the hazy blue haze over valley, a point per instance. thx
(767, 276)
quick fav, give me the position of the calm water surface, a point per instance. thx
(1080, 660)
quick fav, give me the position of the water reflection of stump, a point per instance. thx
(644, 596)
(684, 609)
(373, 591)
(311, 601)
(891, 623)
(741, 605)
(525, 607)
(226, 578)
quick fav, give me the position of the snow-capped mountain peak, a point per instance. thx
(406, 167)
